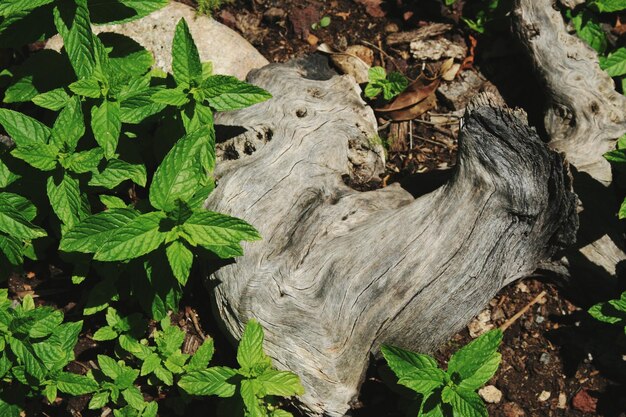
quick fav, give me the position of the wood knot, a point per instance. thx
(301, 112)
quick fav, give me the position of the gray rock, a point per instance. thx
(230, 53)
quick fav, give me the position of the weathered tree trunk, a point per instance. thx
(341, 271)
(584, 117)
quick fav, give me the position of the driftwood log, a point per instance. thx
(584, 116)
(341, 271)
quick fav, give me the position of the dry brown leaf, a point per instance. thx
(364, 53)
(414, 93)
(372, 7)
(412, 112)
(347, 63)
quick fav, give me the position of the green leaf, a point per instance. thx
(282, 383)
(104, 333)
(42, 156)
(109, 367)
(464, 403)
(119, 11)
(112, 202)
(21, 204)
(171, 97)
(88, 87)
(83, 162)
(251, 401)
(46, 325)
(477, 361)
(617, 156)
(180, 259)
(403, 362)
(69, 126)
(608, 6)
(50, 392)
(12, 249)
(23, 129)
(201, 358)
(424, 381)
(66, 336)
(52, 100)
(250, 350)
(135, 348)
(212, 381)
(225, 92)
(26, 356)
(15, 224)
(88, 235)
(622, 210)
(376, 74)
(150, 363)
(164, 375)
(186, 65)
(218, 232)
(136, 238)
(98, 400)
(74, 384)
(180, 172)
(106, 124)
(116, 171)
(136, 99)
(615, 63)
(65, 198)
(133, 397)
(6, 176)
(9, 7)
(77, 39)
(127, 58)
(589, 30)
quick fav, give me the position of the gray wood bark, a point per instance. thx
(339, 271)
(584, 116)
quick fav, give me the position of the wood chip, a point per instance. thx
(425, 32)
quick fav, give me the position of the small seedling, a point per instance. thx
(324, 22)
(390, 85)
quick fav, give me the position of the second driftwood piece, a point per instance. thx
(584, 116)
(339, 271)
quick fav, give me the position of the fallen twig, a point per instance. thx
(520, 313)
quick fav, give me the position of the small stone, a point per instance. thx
(274, 14)
(544, 358)
(391, 28)
(481, 324)
(540, 319)
(562, 401)
(522, 287)
(544, 396)
(312, 39)
(490, 394)
(584, 402)
(513, 410)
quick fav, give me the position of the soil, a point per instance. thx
(556, 360)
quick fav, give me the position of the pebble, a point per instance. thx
(544, 395)
(392, 28)
(513, 410)
(540, 319)
(562, 401)
(584, 402)
(490, 394)
(544, 358)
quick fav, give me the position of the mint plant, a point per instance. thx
(164, 359)
(35, 347)
(255, 385)
(117, 385)
(389, 85)
(450, 392)
(90, 150)
(117, 326)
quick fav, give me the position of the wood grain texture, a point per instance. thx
(340, 271)
(583, 118)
